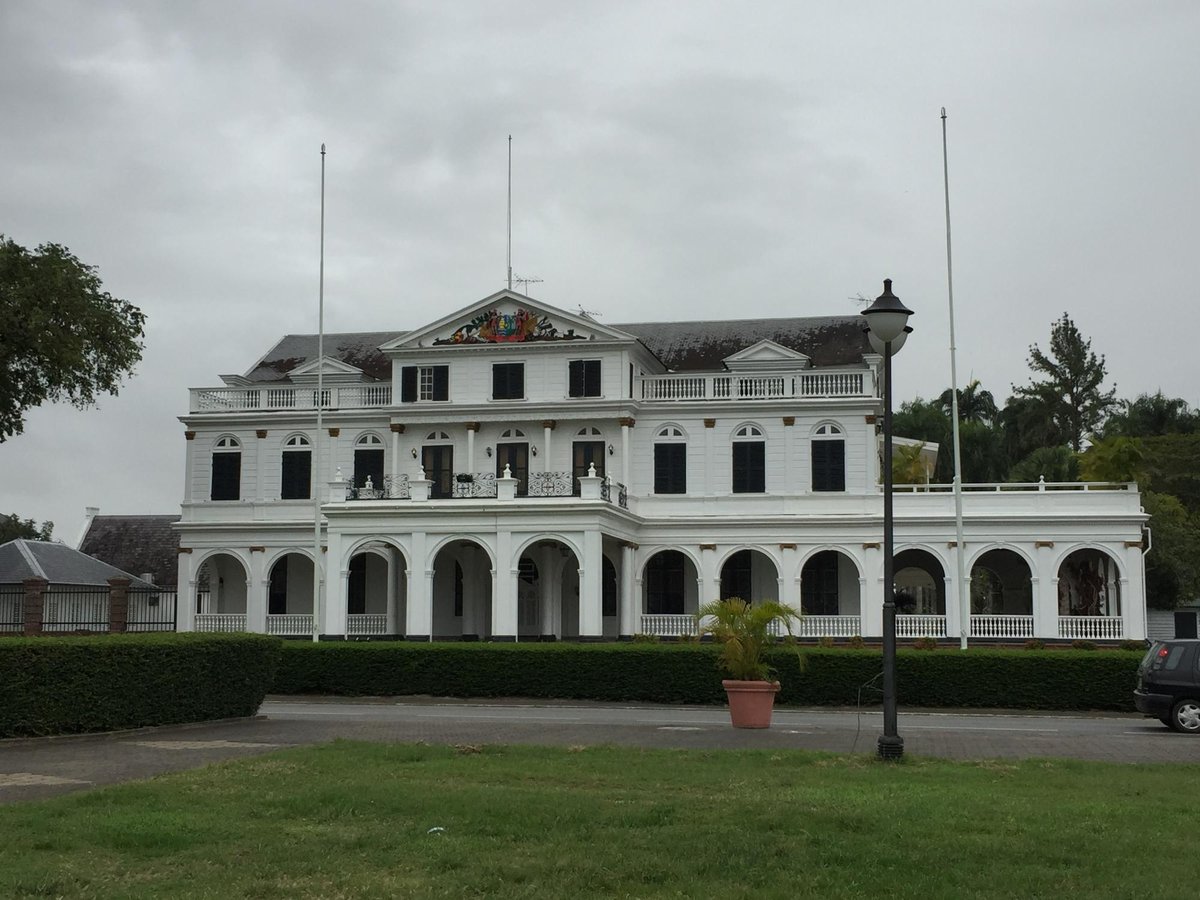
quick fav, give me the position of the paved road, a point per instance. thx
(32, 769)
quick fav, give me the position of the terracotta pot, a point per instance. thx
(750, 702)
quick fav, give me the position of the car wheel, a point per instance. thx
(1185, 717)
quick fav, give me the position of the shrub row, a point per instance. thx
(68, 685)
(683, 673)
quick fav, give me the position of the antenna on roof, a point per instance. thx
(525, 282)
(510, 278)
(588, 313)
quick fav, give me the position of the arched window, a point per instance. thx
(828, 459)
(670, 460)
(512, 433)
(227, 469)
(368, 461)
(296, 482)
(749, 460)
(589, 432)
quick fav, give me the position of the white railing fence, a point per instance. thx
(290, 624)
(220, 621)
(352, 396)
(366, 623)
(754, 387)
(668, 625)
(920, 626)
(1002, 626)
(827, 626)
(1091, 628)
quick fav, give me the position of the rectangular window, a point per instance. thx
(297, 475)
(438, 463)
(584, 455)
(584, 377)
(670, 468)
(227, 476)
(749, 467)
(424, 383)
(508, 381)
(829, 465)
(516, 457)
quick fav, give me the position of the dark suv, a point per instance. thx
(1168, 685)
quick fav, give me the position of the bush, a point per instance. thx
(856, 642)
(1035, 644)
(925, 643)
(1083, 645)
(1139, 646)
(688, 673)
(825, 642)
(69, 685)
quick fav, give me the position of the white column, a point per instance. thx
(1045, 594)
(470, 467)
(630, 619)
(625, 454)
(185, 597)
(395, 468)
(504, 588)
(870, 592)
(256, 593)
(789, 575)
(547, 458)
(335, 586)
(1133, 594)
(189, 462)
(260, 436)
(420, 590)
(953, 608)
(591, 608)
(390, 626)
(709, 575)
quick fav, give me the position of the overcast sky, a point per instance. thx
(670, 160)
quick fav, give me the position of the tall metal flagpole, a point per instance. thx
(960, 552)
(510, 212)
(316, 481)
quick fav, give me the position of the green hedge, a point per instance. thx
(687, 673)
(68, 685)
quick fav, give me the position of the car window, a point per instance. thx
(1175, 657)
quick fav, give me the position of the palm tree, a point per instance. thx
(974, 403)
(744, 630)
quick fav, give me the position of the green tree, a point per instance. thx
(13, 527)
(1051, 463)
(1026, 425)
(1071, 387)
(974, 403)
(908, 466)
(1151, 415)
(1113, 459)
(62, 336)
(926, 421)
(1173, 562)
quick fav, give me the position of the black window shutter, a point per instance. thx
(829, 465)
(670, 468)
(226, 476)
(441, 382)
(837, 465)
(749, 467)
(408, 384)
(297, 475)
(591, 376)
(575, 370)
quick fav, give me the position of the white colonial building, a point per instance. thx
(516, 472)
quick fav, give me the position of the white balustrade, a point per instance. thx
(754, 387)
(348, 396)
(1002, 626)
(668, 626)
(290, 624)
(1091, 628)
(368, 623)
(220, 621)
(827, 626)
(909, 626)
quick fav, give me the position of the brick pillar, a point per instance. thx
(35, 589)
(118, 604)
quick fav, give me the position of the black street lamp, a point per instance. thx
(887, 319)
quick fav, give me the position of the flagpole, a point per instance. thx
(316, 482)
(960, 551)
(510, 280)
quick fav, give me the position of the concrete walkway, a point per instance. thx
(43, 767)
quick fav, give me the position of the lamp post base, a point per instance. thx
(891, 747)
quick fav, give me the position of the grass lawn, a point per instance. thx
(355, 820)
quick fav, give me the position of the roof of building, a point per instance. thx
(356, 348)
(682, 346)
(699, 346)
(145, 545)
(57, 563)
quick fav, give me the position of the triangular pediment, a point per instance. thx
(766, 354)
(506, 317)
(327, 367)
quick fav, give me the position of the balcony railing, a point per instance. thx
(366, 623)
(290, 624)
(220, 621)
(756, 387)
(1002, 626)
(827, 626)
(1091, 628)
(668, 625)
(346, 396)
(912, 626)
(482, 485)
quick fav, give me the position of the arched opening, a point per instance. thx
(376, 591)
(221, 594)
(829, 586)
(751, 575)
(670, 594)
(920, 584)
(548, 592)
(1001, 585)
(462, 592)
(290, 596)
(1089, 584)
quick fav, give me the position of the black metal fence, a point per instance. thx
(68, 607)
(12, 608)
(151, 610)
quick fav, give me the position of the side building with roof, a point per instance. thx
(514, 471)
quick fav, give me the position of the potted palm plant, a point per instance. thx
(744, 631)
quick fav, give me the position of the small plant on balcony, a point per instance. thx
(744, 631)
